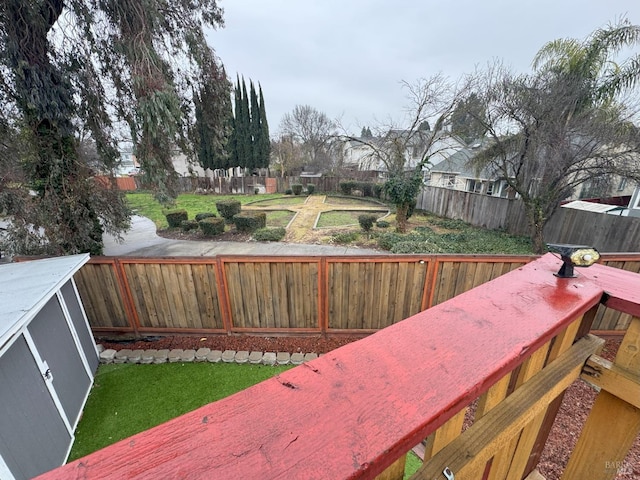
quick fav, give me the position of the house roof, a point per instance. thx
(26, 286)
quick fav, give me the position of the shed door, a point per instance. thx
(33, 436)
(56, 346)
(81, 325)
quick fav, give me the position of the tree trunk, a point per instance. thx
(537, 221)
(401, 218)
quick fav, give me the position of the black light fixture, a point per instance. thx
(573, 256)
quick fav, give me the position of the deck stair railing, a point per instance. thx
(480, 377)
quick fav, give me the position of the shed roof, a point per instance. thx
(26, 286)
(591, 206)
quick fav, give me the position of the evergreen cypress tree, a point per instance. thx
(255, 129)
(213, 122)
(244, 134)
(265, 141)
(234, 141)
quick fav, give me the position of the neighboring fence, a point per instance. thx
(288, 295)
(479, 210)
(244, 185)
(608, 233)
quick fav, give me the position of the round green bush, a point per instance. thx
(203, 215)
(382, 224)
(248, 222)
(269, 234)
(366, 221)
(188, 225)
(347, 187)
(311, 188)
(228, 208)
(176, 217)
(212, 226)
(288, 191)
(297, 188)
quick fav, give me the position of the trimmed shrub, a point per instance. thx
(201, 216)
(188, 225)
(382, 224)
(269, 234)
(366, 188)
(228, 208)
(345, 237)
(366, 221)
(297, 188)
(288, 191)
(176, 217)
(311, 188)
(256, 191)
(377, 190)
(212, 226)
(347, 187)
(248, 222)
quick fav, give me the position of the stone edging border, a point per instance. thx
(202, 355)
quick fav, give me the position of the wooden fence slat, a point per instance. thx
(255, 294)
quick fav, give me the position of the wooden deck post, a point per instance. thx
(604, 443)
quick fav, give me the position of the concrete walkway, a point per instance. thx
(142, 241)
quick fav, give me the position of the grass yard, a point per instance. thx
(144, 204)
(280, 200)
(279, 218)
(127, 399)
(341, 218)
(426, 233)
(351, 201)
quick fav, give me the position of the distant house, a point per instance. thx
(634, 203)
(455, 173)
(367, 154)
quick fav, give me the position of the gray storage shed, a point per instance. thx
(47, 362)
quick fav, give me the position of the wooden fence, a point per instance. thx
(288, 295)
(608, 233)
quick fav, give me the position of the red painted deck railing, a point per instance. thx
(510, 347)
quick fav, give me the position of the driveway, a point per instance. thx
(142, 241)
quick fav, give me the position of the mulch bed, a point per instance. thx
(574, 410)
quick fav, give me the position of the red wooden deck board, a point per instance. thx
(621, 287)
(353, 411)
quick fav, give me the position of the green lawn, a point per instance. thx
(127, 399)
(339, 218)
(351, 201)
(280, 200)
(144, 204)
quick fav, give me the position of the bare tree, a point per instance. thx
(546, 140)
(406, 149)
(313, 131)
(286, 155)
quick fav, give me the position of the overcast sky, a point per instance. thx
(347, 58)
